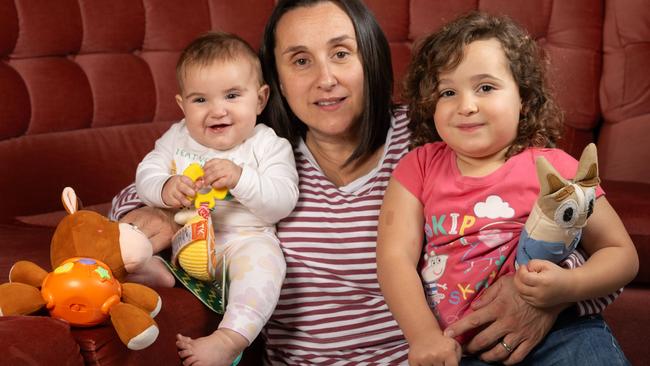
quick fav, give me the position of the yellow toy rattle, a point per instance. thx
(205, 195)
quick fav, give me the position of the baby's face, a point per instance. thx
(221, 102)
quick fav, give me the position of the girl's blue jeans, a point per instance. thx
(573, 340)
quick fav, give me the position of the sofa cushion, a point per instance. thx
(632, 203)
(626, 317)
(625, 91)
(24, 242)
(18, 345)
(181, 312)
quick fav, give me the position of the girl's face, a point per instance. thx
(319, 69)
(477, 113)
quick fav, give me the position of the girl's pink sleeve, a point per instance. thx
(410, 173)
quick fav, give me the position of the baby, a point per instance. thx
(222, 93)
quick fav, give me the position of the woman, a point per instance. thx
(328, 65)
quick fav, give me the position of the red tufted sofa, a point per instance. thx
(86, 86)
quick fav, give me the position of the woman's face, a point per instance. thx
(319, 68)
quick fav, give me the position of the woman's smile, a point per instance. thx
(330, 104)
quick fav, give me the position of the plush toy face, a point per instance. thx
(81, 291)
(569, 203)
(571, 206)
(87, 234)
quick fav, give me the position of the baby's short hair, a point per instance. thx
(216, 46)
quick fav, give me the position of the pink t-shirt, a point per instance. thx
(472, 224)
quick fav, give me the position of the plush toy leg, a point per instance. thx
(28, 273)
(134, 326)
(19, 299)
(141, 296)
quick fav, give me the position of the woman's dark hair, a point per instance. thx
(540, 120)
(377, 71)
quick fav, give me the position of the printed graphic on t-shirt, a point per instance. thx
(465, 251)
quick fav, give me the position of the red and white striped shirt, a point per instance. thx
(331, 310)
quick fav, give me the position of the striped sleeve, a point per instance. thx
(589, 306)
(124, 202)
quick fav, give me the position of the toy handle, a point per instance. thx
(206, 195)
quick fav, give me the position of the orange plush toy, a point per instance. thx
(85, 288)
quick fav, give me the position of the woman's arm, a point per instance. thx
(399, 247)
(505, 317)
(156, 223)
(612, 263)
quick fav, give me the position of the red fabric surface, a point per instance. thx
(122, 88)
(181, 312)
(624, 87)
(96, 162)
(22, 339)
(244, 17)
(117, 25)
(393, 18)
(48, 28)
(429, 15)
(81, 82)
(8, 26)
(53, 83)
(627, 317)
(623, 149)
(24, 242)
(625, 91)
(15, 104)
(632, 203)
(163, 69)
(171, 25)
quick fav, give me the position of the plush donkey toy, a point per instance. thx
(555, 224)
(88, 254)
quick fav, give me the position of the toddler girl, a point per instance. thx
(480, 116)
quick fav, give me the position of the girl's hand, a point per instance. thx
(176, 191)
(543, 284)
(434, 350)
(220, 173)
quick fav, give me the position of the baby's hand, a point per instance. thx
(176, 191)
(436, 349)
(542, 283)
(220, 173)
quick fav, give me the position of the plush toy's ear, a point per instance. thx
(69, 200)
(550, 181)
(587, 174)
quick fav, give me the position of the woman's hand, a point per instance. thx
(507, 318)
(157, 224)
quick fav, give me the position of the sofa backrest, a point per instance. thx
(86, 86)
(625, 91)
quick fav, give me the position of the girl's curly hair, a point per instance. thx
(540, 121)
